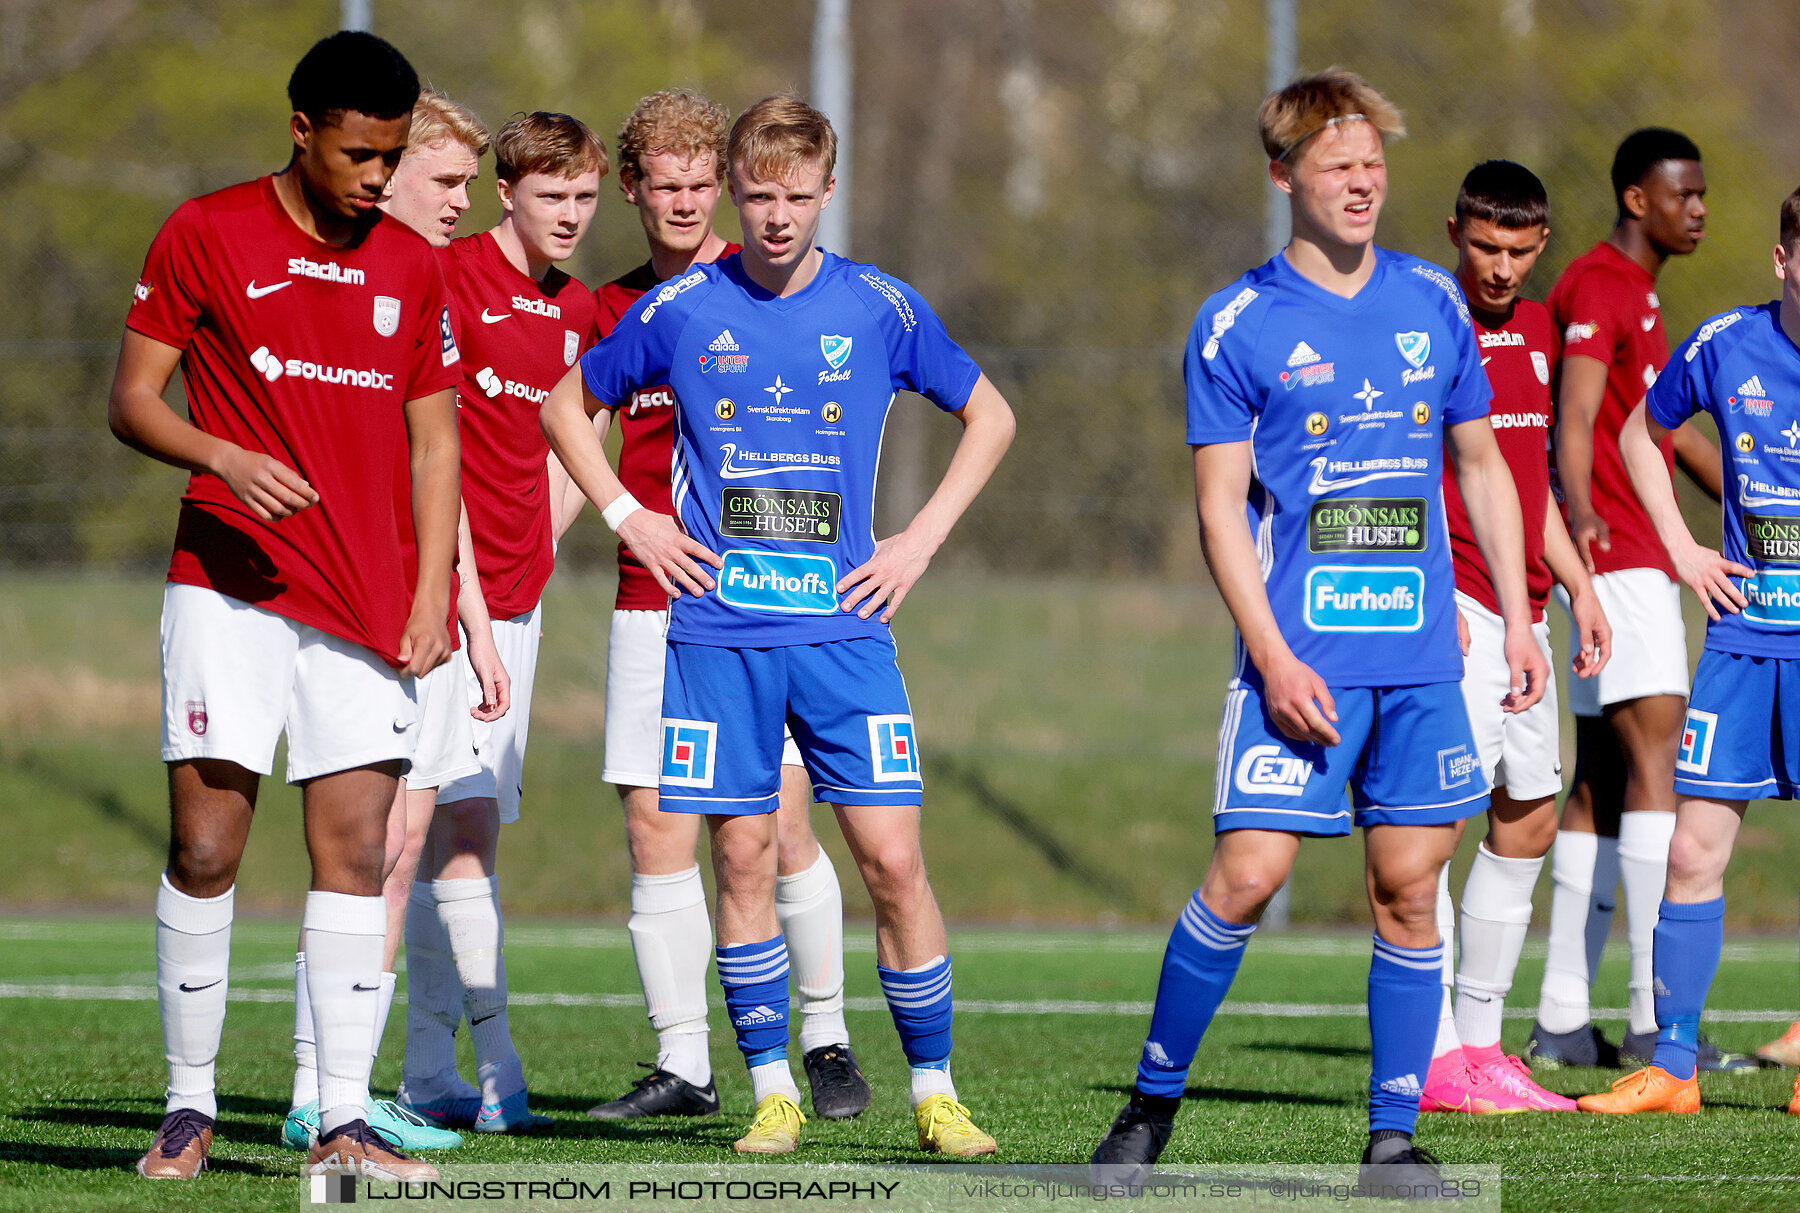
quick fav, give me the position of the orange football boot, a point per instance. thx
(1651, 1089)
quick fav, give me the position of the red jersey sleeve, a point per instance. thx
(1593, 323)
(170, 297)
(435, 353)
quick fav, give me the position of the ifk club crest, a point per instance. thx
(835, 348)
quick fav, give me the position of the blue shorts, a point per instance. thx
(1741, 740)
(723, 712)
(1407, 752)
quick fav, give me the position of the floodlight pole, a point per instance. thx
(833, 89)
(356, 14)
(1282, 38)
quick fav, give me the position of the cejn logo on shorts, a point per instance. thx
(688, 749)
(784, 583)
(1358, 598)
(893, 753)
(1774, 598)
(1695, 753)
(1265, 770)
(272, 367)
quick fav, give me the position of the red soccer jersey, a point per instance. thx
(1518, 357)
(1606, 307)
(306, 352)
(647, 431)
(518, 339)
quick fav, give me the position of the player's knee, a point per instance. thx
(202, 867)
(1411, 903)
(1240, 894)
(1694, 859)
(893, 870)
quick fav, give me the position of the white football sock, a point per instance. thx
(809, 906)
(931, 1080)
(1605, 898)
(469, 908)
(383, 1007)
(1447, 1039)
(672, 942)
(1496, 909)
(193, 961)
(433, 1000)
(306, 1052)
(1644, 870)
(343, 934)
(772, 1078)
(1563, 998)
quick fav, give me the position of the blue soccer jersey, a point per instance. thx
(1740, 367)
(1344, 403)
(780, 407)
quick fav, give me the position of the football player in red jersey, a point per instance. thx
(1500, 227)
(313, 333)
(672, 168)
(428, 192)
(522, 322)
(1620, 811)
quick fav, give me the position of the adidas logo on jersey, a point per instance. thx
(755, 1015)
(1303, 354)
(1752, 387)
(1406, 1084)
(723, 343)
(1158, 1055)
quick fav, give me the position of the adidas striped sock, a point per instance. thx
(1198, 968)
(1404, 996)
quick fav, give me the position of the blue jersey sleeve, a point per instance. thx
(921, 356)
(1469, 394)
(640, 350)
(1680, 390)
(1221, 396)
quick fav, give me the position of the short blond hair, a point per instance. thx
(777, 135)
(675, 121)
(555, 145)
(437, 119)
(1313, 103)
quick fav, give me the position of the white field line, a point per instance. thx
(146, 992)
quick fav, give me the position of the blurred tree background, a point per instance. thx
(1066, 180)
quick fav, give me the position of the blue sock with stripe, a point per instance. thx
(1198, 968)
(919, 1001)
(1689, 939)
(1405, 993)
(755, 979)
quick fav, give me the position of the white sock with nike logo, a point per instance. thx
(193, 957)
(343, 934)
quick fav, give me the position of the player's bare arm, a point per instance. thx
(1486, 484)
(1699, 459)
(1298, 700)
(142, 420)
(900, 560)
(675, 560)
(471, 609)
(1592, 637)
(436, 458)
(1577, 407)
(1704, 570)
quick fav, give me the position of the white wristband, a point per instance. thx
(623, 506)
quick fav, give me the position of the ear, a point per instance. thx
(301, 129)
(1636, 204)
(1282, 176)
(628, 185)
(1453, 230)
(1781, 262)
(503, 187)
(825, 198)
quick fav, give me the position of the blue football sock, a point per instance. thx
(919, 1001)
(755, 980)
(1405, 994)
(1688, 941)
(1197, 970)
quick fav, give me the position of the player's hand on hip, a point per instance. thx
(496, 683)
(1589, 530)
(424, 646)
(268, 486)
(675, 560)
(1709, 575)
(1300, 703)
(1592, 635)
(886, 577)
(1527, 670)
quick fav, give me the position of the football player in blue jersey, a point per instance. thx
(781, 593)
(1322, 389)
(1741, 739)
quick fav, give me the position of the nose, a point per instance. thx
(459, 198)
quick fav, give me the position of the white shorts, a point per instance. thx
(446, 748)
(1649, 641)
(234, 676)
(500, 744)
(1520, 752)
(635, 650)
